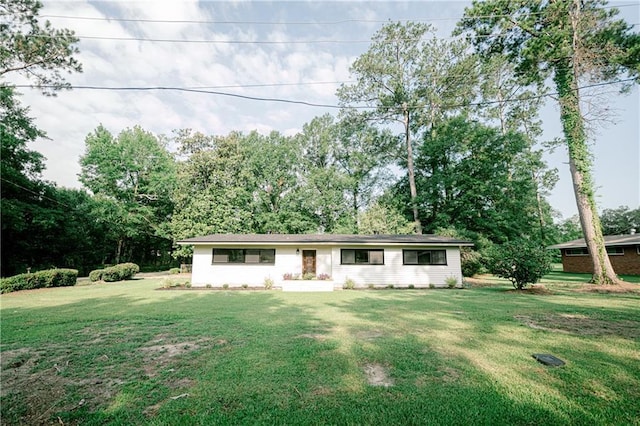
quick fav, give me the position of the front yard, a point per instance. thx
(126, 353)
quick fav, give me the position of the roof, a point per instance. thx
(609, 240)
(326, 239)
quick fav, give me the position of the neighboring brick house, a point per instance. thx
(624, 253)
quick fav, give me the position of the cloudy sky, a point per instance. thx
(234, 55)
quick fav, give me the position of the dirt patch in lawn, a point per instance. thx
(369, 334)
(582, 325)
(376, 375)
(623, 287)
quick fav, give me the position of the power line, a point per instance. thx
(306, 103)
(241, 22)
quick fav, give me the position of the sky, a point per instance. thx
(299, 51)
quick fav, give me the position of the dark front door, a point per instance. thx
(308, 262)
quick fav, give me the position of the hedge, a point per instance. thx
(40, 279)
(122, 271)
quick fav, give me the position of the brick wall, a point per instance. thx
(627, 264)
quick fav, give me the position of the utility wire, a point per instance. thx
(240, 22)
(312, 104)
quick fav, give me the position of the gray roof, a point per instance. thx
(325, 239)
(609, 241)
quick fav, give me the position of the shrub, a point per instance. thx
(128, 270)
(225, 286)
(95, 275)
(432, 285)
(390, 286)
(245, 286)
(521, 262)
(349, 284)
(471, 262)
(309, 276)
(324, 277)
(451, 281)
(411, 286)
(371, 286)
(187, 284)
(288, 276)
(167, 283)
(174, 271)
(40, 279)
(268, 283)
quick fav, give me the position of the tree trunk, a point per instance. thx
(580, 166)
(412, 179)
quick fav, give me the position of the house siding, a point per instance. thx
(235, 275)
(328, 261)
(393, 272)
(627, 264)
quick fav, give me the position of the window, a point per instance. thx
(576, 251)
(244, 256)
(616, 251)
(424, 257)
(362, 257)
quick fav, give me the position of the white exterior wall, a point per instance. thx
(395, 273)
(327, 262)
(204, 271)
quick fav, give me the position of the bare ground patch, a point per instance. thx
(581, 325)
(623, 287)
(376, 375)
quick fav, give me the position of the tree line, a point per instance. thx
(435, 136)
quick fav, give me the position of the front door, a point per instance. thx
(308, 262)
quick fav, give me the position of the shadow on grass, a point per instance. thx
(454, 357)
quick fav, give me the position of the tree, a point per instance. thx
(388, 80)
(133, 175)
(569, 41)
(40, 53)
(621, 220)
(522, 262)
(380, 219)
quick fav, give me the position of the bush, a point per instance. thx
(268, 283)
(95, 275)
(40, 279)
(309, 276)
(122, 271)
(349, 284)
(174, 271)
(287, 276)
(411, 286)
(324, 277)
(451, 281)
(471, 262)
(521, 262)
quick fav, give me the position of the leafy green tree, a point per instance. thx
(569, 41)
(214, 188)
(388, 80)
(474, 178)
(381, 219)
(133, 175)
(621, 220)
(521, 261)
(38, 52)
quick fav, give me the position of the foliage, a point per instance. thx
(309, 276)
(40, 279)
(268, 283)
(620, 221)
(174, 271)
(521, 262)
(566, 42)
(95, 275)
(349, 284)
(472, 261)
(38, 52)
(120, 272)
(381, 219)
(323, 277)
(451, 282)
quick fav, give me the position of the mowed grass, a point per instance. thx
(127, 353)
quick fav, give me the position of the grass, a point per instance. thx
(126, 353)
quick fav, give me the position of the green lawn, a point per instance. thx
(126, 353)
